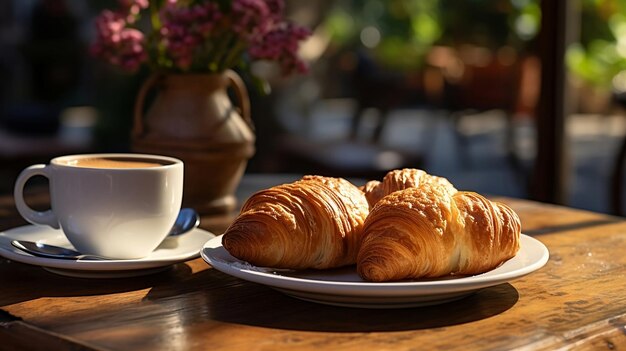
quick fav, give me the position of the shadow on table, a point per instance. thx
(25, 283)
(223, 298)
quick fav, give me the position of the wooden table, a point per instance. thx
(576, 301)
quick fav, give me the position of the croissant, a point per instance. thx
(316, 222)
(427, 232)
(402, 179)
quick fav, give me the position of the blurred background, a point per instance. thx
(519, 98)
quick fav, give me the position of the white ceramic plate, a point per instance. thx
(344, 287)
(172, 250)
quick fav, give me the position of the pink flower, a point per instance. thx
(118, 44)
(184, 30)
(250, 18)
(109, 22)
(198, 35)
(276, 8)
(281, 44)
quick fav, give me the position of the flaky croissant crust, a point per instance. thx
(315, 222)
(401, 179)
(427, 232)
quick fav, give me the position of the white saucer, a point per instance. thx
(172, 250)
(343, 286)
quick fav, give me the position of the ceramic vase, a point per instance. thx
(192, 117)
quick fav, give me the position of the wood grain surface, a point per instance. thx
(576, 301)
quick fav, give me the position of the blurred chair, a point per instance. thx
(477, 80)
(381, 90)
(357, 155)
(348, 159)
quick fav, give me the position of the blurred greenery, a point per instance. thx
(600, 54)
(399, 33)
(490, 23)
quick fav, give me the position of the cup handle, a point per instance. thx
(36, 217)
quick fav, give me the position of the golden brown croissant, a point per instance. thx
(426, 232)
(402, 179)
(315, 222)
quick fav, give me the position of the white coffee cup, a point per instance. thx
(115, 205)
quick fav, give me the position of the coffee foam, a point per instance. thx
(113, 163)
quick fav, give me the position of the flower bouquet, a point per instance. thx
(198, 36)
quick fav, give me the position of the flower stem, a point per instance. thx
(233, 55)
(221, 50)
(231, 50)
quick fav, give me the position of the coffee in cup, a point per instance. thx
(113, 162)
(114, 205)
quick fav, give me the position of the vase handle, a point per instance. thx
(242, 95)
(138, 127)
